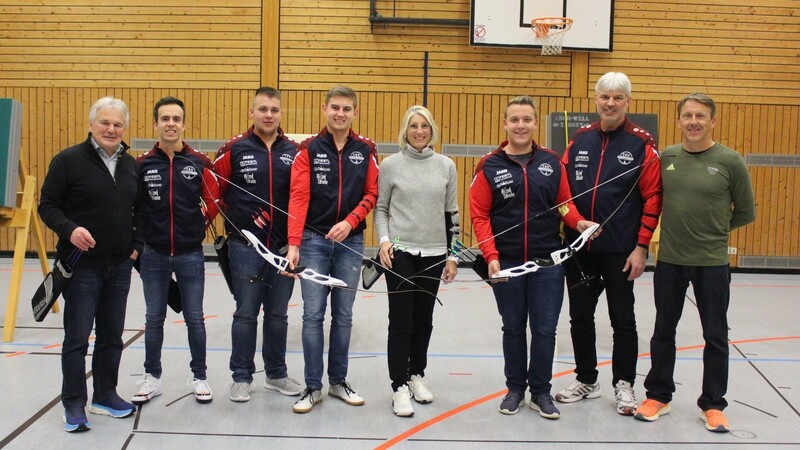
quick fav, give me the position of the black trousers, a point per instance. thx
(606, 268)
(711, 285)
(411, 314)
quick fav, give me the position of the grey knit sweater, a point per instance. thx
(415, 189)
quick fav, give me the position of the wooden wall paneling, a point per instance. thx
(793, 212)
(203, 103)
(239, 112)
(782, 229)
(382, 119)
(440, 107)
(752, 232)
(218, 116)
(763, 192)
(498, 108)
(269, 39)
(775, 219)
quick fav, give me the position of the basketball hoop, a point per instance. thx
(551, 31)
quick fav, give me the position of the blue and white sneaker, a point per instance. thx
(112, 406)
(75, 420)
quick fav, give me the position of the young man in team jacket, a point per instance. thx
(334, 187)
(254, 170)
(174, 179)
(512, 199)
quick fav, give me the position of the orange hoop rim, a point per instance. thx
(542, 25)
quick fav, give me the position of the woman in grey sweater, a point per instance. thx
(415, 214)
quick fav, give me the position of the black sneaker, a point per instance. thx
(511, 402)
(544, 404)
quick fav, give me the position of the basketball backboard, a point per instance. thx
(507, 23)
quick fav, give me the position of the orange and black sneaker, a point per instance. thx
(651, 410)
(715, 421)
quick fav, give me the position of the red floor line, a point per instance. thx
(442, 417)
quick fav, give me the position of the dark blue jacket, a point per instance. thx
(594, 157)
(510, 201)
(329, 186)
(262, 177)
(174, 223)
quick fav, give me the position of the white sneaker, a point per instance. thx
(202, 392)
(285, 385)
(150, 387)
(626, 399)
(308, 399)
(240, 392)
(346, 393)
(578, 391)
(401, 402)
(418, 389)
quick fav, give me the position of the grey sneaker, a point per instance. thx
(308, 399)
(544, 404)
(511, 402)
(346, 393)
(240, 392)
(286, 385)
(578, 391)
(626, 399)
(418, 390)
(149, 387)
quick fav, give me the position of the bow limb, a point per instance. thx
(557, 257)
(282, 263)
(564, 254)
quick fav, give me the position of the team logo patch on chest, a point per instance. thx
(248, 160)
(545, 169)
(507, 193)
(356, 158)
(189, 172)
(712, 170)
(625, 158)
(287, 159)
(152, 175)
(503, 178)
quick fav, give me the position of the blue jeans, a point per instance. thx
(156, 272)
(256, 283)
(712, 293)
(96, 296)
(533, 299)
(327, 257)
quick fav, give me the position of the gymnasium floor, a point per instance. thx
(465, 374)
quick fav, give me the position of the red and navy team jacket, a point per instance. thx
(329, 186)
(260, 177)
(173, 219)
(506, 197)
(594, 157)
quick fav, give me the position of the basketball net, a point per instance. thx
(551, 31)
